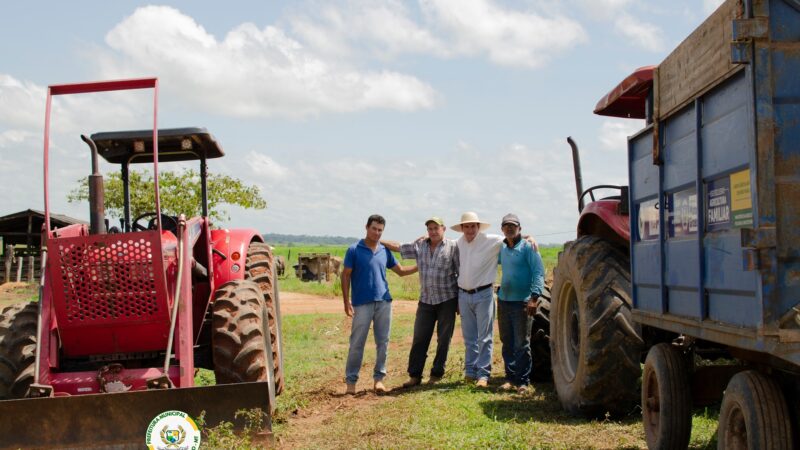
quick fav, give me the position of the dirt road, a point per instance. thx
(294, 303)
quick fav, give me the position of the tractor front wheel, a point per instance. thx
(540, 339)
(17, 349)
(595, 345)
(240, 336)
(260, 268)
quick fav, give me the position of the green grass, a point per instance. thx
(447, 415)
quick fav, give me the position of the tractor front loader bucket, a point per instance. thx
(120, 420)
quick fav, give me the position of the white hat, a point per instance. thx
(470, 217)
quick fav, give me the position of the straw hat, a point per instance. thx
(470, 217)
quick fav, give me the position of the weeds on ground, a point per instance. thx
(224, 436)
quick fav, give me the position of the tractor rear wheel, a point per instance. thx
(17, 349)
(596, 347)
(260, 268)
(540, 339)
(239, 335)
(754, 414)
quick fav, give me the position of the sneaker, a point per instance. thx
(412, 381)
(523, 389)
(507, 386)
(380, 388)
(351, 389)
(434, 379)
(482, 383)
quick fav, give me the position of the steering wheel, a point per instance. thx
(151, 224)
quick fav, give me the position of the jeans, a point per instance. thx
(477, 320)
(378, 313)
(443, 317)
(515, 334)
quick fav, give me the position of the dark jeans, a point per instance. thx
(515, 334)
(443, 317)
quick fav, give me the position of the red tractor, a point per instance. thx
(127, 315)
(595, 345)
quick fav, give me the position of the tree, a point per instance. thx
(180, 193)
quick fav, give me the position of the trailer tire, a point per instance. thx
(666, 399)
(595, 345)
(540, 339)
(239, 335)
(260, 268)
(18, 325)
(754, 414)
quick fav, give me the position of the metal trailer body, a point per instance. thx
(715, 194)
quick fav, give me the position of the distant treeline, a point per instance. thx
(304, 239)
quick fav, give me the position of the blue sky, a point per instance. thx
(341, 109)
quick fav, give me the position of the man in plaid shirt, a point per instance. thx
(437, 261)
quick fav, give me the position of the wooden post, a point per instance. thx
(9, 262)
(31, 267)
(19, 268)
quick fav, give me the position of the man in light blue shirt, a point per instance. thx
(520, 288)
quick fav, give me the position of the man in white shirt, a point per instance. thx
(478, 254)
(478, 270)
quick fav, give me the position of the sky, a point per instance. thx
(340, 109)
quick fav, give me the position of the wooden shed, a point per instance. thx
(21, 235)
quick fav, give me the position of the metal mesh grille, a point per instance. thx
(108, 279)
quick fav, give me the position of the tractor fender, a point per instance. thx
(602, 218)
(227, 242)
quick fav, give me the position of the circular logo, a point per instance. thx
(172, 430)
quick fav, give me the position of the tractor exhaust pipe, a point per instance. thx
(576, 166)
(97, 213)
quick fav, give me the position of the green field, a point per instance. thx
(400, 287)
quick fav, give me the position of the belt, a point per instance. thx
(477, 289)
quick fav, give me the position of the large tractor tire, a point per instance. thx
(540, 339)
(260, 268)
(240, 337)
(17, 349)
(754, 414)
(596, 347)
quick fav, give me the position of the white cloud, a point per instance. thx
(614, 132)
(643, 34)
(446, 29)
(710, 6)
(264, 166)
(252, 72)
(21, 102)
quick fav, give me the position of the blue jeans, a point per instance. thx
(378, 313)
(515, 334)
(477, 320)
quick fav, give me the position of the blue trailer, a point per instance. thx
(712, 296)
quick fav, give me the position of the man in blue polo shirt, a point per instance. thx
(520, 288)
(365, 265)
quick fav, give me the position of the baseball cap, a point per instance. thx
(510, 218)
(436, 220)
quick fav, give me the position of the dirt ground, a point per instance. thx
(294, 303)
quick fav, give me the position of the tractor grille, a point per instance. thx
(106, 278)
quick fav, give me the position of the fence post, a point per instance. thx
(19, 268)
(31, 267)
(9, 262)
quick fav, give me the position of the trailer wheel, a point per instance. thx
(260, 267)
(595, 346)
(666, 399)
(240, 337)
(754, 414)
(17, 349)
(540, 339)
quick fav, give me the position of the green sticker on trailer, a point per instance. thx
(741, 199)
